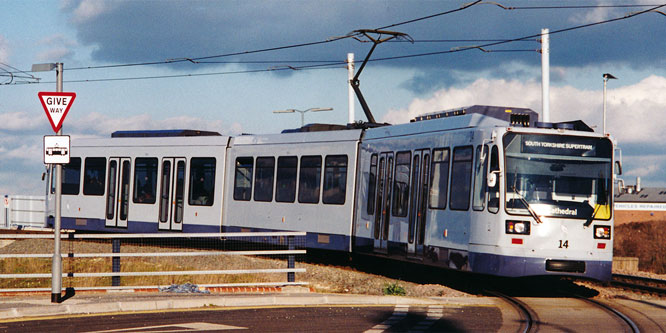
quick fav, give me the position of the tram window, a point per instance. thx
(285, 189)
(461, 176)
(165, 189)
(439, 180)
(263, 179)
(145, 180)
(124, 190)
(480, 178)
(202, 181)
(309, 182)
(111, 193)
(372, 184)
(335, 179)
(243, 178)
(93, 176)
(180, 191)
(401, 184)
(494, 192)
(71, 176)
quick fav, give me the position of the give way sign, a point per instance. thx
(56, 105)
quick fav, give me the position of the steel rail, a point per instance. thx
(634, 328)
(639, 283)
(530, 318)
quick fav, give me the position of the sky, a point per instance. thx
(226, 65)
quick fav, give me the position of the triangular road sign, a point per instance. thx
(56, 105)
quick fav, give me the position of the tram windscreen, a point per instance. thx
(558, 176)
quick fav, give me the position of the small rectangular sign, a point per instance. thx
(56, 149)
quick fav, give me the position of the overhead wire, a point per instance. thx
(270, 49)
(463, 7)
(566, 6)
(249, 71)
(627, 16)
(13, 74)
(325, 64)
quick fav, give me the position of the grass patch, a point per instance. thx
(131, 264)
(394, 289)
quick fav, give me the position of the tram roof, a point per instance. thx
(435, 125)
(298, 137)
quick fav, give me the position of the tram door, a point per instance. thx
(172, 193)
(418, 201)
(118, 193)
(383, 202)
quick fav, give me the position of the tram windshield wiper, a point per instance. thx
(591, 217)
(527, 205)
(602, 194)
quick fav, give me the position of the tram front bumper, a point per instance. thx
(512, 266)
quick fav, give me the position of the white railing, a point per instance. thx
(20, 211)
(165, 246)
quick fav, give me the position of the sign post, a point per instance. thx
(56, 105)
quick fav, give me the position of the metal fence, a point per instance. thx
(131, 261)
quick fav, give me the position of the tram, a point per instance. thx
(485, 189)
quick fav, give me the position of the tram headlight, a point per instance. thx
(518, 227)
(602, 232)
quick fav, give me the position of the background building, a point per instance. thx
(638, 204)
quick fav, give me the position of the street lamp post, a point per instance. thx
(606, 76)
(56, 263)
(302, 112)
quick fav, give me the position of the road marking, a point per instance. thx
(434, 313)
(399, 313)
(185, 327)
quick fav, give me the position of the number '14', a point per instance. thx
(564, 244)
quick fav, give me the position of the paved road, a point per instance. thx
(400, 318)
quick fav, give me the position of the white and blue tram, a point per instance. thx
(482, 189)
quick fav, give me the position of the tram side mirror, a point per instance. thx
(43, 175)
(618, 168)
(492, 178)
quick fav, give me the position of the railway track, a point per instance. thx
(547, 313)
(528, 318)
(656, 286)
(630, 323)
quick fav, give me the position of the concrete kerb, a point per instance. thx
(40, 309)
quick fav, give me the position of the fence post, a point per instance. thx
(115, 262)
(291, 260)
(6, 211)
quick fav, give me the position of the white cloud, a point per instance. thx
(27, 183)
(18, 121)
(482, 92)
(4, 49)
(57, 39)
(95, 123)
(628, 107)
(637, 113)
(593, 15)
(29, 151)
(87, 10)
(58, 47)
(644, 170)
